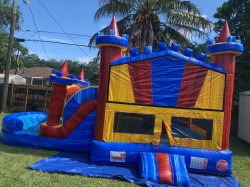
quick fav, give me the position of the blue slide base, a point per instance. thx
(21, 129)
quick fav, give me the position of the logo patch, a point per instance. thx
(116, 156)
(222, 165)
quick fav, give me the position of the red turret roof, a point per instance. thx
(225, 32)
(81, 74)
(113, 25)
(64, 69)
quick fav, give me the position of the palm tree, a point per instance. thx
(150, 21)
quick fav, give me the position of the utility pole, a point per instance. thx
(8, 61)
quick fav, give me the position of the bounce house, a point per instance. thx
(165, 112)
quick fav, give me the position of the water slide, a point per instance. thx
(22, 129)
(63, 131)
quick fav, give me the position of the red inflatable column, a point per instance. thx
(111, 47)
(227, 61)
(57, 99)
(223, 54)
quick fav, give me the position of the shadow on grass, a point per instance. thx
(239, 147)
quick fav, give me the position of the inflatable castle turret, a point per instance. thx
(111, 45)
(65, 85)
(57, 98)
(223, 53)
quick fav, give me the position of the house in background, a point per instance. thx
(36, 75)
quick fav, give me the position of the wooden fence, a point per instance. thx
(27, 98)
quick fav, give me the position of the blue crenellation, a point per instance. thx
(210, 41)
(99, 34)
(188, 52)
(147, 49)
(172, 51)
(126, 36)
(231, 39)
(238, 41)
(134, 52)
(175, 47)
(111, 32)
(201, 56)
(57, 77)
(72, 76)
(162, 46)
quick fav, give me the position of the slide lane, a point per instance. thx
(62, 131)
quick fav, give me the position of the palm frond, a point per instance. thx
(190, 20)
(110, 7)
(150, 21)
(168, 34)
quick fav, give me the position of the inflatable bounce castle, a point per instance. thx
(166, 112)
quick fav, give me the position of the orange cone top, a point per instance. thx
(113, 25)
(225, 32)
(81, 75)
(64, 69)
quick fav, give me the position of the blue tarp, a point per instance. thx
(78, 163)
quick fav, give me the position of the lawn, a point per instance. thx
(14, 160)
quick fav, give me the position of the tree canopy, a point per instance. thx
(5, 16)
(5, 21)
(150, 21)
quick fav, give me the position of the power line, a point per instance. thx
(53, 32)
(62, 28)
(38, 33)
(48, 41)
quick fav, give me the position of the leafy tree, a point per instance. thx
(91, 69)
(237, 13)
(32, 60)
(74, 67)
(5, 20)
(150, 21)
(5, 15)
(3, 49)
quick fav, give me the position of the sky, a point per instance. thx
(73, 17)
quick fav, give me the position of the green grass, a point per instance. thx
(241, 160)
(14, 172)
